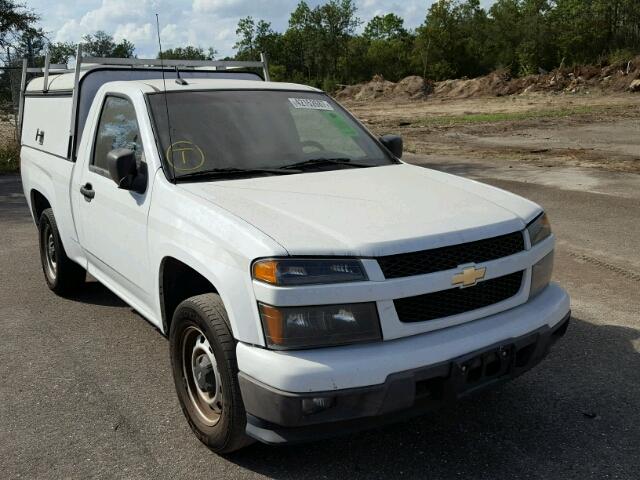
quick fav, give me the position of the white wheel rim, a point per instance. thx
(202, 376)
(50, 256)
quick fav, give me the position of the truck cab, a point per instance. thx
(309, 281)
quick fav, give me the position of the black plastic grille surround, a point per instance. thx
(446, 258)
(458, 300)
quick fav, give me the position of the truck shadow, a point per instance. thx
(574, 415)
(94, 293)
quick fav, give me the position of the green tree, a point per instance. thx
(536, 50)
(385, 27)
(338, 22)
(15, 18)
(246, 32)
(589, 30)
(62, 52)
(302, 42)
(388, 46)
(255, 38)
(438, 42)
(188, 53)
(317, 40)
(505, 34)
(101, 44)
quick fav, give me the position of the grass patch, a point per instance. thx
(451, 120)
(9, 158)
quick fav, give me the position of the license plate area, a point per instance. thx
(477, 371)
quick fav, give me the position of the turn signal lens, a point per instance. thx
(308, 271)
(265, 271)
(273, 324)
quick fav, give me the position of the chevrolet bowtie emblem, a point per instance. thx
(468, 277)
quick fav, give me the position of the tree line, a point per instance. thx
(329, 45)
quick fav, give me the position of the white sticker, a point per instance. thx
(310, 104)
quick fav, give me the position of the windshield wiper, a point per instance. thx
(321, 161)
(228, 172)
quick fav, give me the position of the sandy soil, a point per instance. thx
(601, 131)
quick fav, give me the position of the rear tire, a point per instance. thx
(205, 372)
(63, 275)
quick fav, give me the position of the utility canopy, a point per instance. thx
(75, 88)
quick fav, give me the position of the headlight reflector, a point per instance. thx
(288, 328)
(541, 275)
(306, 271)
(539, 229)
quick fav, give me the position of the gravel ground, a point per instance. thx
(86, 389)
(594, 131)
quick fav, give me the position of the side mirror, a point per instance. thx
(394, 144)
(123, 170)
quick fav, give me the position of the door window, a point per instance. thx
(118, 128)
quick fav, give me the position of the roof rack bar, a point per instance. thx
(47, 62)
(74, 102)
(23, 87)
(57, 67)
(172, 63)
(142, 62)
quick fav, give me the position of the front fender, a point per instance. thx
(216, 244)
(232, 284)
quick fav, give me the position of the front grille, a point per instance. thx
(458, 300)
(446, 258)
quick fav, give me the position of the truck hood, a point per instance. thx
(369, 211)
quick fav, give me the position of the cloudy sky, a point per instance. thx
(196, 22)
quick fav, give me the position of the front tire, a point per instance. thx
(205, 372)
(63, 275)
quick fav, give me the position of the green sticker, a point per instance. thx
(340, 123)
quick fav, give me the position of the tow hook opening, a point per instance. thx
(523, 355)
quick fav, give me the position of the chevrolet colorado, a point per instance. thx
(309, 281)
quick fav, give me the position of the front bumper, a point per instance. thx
(361, 365)
(277, 417)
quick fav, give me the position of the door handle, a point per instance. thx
(88, 191)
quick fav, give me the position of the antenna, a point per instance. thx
(166, 104)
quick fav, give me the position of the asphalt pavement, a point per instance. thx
(86, 388)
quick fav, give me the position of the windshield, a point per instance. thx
(259, 130)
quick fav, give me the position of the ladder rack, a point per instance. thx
(89, 63)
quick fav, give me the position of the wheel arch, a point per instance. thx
(177, 282)
(39, 203)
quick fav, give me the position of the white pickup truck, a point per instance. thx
(309, 281)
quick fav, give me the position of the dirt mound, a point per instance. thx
(413, 88)
(618, 77)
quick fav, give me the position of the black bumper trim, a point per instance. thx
(276, 417)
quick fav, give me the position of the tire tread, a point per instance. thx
(69, 276)
(210, 308)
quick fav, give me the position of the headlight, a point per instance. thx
(541, 275)
(288, 328)
(306, 271)
(539, 229)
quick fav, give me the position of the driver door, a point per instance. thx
(114, 221)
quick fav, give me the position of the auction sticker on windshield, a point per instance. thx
(310, 104)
